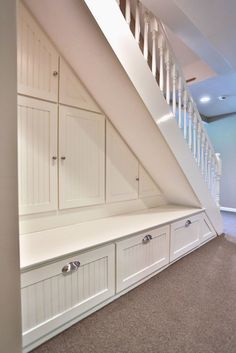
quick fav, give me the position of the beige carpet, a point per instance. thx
(188, 308)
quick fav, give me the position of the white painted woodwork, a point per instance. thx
(207, 231)
(51, 298)
(147, 187)
(82, 144)
(37, 59)
(184, 237)
(137, 21)
(121, 168)
(37, 145)
(72, 92)
(136, 259)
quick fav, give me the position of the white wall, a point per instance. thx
(223, 135)
(10, 329)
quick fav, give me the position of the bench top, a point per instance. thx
(45, 246)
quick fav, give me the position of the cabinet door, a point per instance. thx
(51, 298)
(37, 153)
(82, 158)
(72, 92)
(37, 59)
(121, 168)
(137, 257)
(185, 236)
(147, 187)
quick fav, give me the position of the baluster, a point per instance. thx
(145, 36)
(154, 29)
(209, 169)
(202, 152)
(217, 179)
(174, 78)
(128, 12)
(180, 102)
(190, 112)
(199, 130)
(206, 161)
(185, 101)
(167, 62)
(137, 21)
(161, 54)
(195, 135)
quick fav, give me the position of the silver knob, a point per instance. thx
(71, 266)
(146, 239)
(63, 158)
(187, 223)
(55, 73)
(54, 158)
(149, 236)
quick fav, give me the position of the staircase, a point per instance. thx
(122, 54)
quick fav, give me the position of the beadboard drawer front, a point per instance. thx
(185, 236)
(137, 259)
(207, 231)
(51, 299)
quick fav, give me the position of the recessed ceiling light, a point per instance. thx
(222, 98)
(205, 99)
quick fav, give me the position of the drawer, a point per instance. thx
(207, 231)
(138, 256)
(185, 236)
(51, 298)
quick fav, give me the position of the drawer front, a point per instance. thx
(51, 298)
(207, 231)
(185, 236)
(138, 257)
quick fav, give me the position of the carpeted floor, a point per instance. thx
(188, 308)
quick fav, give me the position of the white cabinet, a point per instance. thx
(51, 298)
(185, 236)
(147, 186)
(72, 92)
(121, 168)
(82, 157)
(140, 255)
(37, 59)
(37, 153)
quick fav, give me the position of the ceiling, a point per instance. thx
(203, 38)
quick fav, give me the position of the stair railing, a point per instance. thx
(150, 35)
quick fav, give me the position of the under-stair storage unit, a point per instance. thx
(82, 157)
(37, 155)
(55, 293)
(140, 255)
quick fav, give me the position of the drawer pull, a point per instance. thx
(71, 266)
(187, 223)
(147, 238)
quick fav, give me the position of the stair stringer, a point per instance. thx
(127, 93)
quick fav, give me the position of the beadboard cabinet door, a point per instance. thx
(51, 298)
(37, 59)
(121, 168)
(37, 155)
(147, 187)
(72, 92)
(82, 158)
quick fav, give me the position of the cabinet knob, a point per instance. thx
(187, 223)
(63, 158)
(137, 178)
(71, 266)
(54, 158)
(147, 238)
(55, 73)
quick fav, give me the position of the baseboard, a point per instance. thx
(228, 209)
